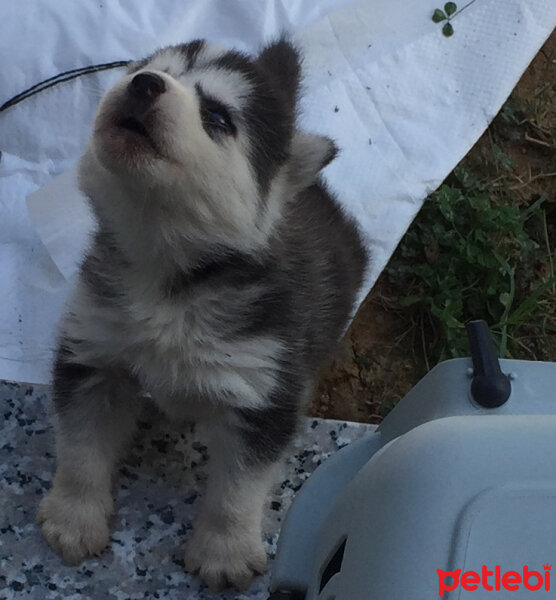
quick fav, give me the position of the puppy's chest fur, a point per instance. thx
(184, 335)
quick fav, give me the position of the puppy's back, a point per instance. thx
(323, 259)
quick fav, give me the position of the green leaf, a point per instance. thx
(503, 159)
(450, 8)
(438, 16)
(448, 30)
(505, 299)
(534, 207)
(528, 305)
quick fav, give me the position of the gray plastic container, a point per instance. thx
(443, 483)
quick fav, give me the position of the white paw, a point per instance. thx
(74, 526)
(225, 558)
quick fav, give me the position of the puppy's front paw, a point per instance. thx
(223, 559)
(74, 526)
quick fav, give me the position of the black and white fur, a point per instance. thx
(221, 277)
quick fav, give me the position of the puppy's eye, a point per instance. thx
(216, 116)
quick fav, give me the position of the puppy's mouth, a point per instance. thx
(138, 128)
(133, 124)
(129, 133)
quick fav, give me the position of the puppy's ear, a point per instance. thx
(308, 155)
(281, 61)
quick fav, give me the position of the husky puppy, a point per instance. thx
(221, 276)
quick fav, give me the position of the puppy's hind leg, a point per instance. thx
(226, 546)
(96, 414)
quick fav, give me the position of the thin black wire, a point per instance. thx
(60, 78)
(72, 71)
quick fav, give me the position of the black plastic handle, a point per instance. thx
(489, 387)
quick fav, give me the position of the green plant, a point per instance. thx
(448, 14)
(470, 254)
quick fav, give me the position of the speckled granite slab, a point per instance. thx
(156, 499)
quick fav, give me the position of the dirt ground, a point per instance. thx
(379, 360)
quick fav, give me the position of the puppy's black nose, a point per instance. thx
(147, 86)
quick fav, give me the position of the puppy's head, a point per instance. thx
(207, 127)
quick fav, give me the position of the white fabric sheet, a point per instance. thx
(403, 102)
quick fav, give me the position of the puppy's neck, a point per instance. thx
(158, 232)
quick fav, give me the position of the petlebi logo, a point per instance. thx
(494, 580)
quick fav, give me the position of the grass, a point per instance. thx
(483, 244)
